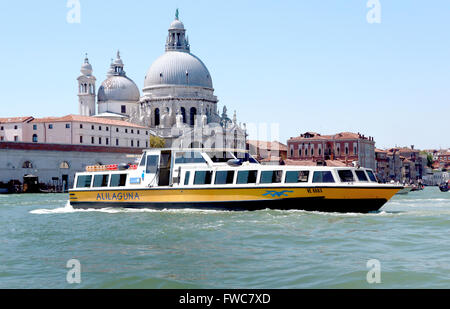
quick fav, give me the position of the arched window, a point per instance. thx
(35, 138)
(27, 164)
(64, 165)
(193, 113)
(157, 117)
(183, 113)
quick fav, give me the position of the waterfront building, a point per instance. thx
(443, 158)
(347, 147)
(382, 164)
(177, 101)
(267, 152)
(75, 130)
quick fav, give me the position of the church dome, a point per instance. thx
(178, 68)
(176, 24)
(118, 88)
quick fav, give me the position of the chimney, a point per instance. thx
(412, 147)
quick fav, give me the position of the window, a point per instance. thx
(81, 139)
(117, 129)
(152, 164)
(138, 132)
(35, 138)
(99, 128)
(361, 176)
(138, 144)
(92, 140)
(299, 152)
(312, 151)
(371, 176)
(107, 128)
(34, 127)
(189, 157)
(50, 126)
(2, 128)
(126, 130)
(81, 126)
(118, 180)
(346, 175)
(202, 178)
(123, 109)
(84, 181)
(132, 131)
(107, 141)
(15, 127)
(132, 143)
(64, 165)
(186, 178)
(245, 177)
(220, 156)
(146, 144)
(92, 127)
(224, 177)
(146, 132)
(100, 181)
(270, 177)
(193, 113)
(296, 176)
(323, 176)
(157, 117)
(16, 138)
(27, 164)
(117, 142)
(99, 140)
(67, 125)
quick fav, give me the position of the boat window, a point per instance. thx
(100, 181)
(118, 180)
(220, 156)
(296, 176)
(346, 175)
(142, 163)
(84, 181)
(202, 178)
(245, 177)
(271, 176)
(186, 178)
(361, 176)
(224, 177)
(152, 164)
(371, 176)
(189, 157)
(323, 176)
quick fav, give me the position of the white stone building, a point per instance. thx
(178, 101)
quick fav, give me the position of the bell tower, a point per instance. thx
(86, 89)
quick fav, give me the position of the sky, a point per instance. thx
(378, 67)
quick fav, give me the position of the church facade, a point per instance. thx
(177, 101)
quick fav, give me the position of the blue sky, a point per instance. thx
(306, 65)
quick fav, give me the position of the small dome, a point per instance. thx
(176, 24)
(178, 68)
(118, 88)
(86, 68)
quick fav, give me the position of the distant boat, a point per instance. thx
(417, 187)
(4, 190)
(444, 187)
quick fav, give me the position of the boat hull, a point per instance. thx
(329, 199)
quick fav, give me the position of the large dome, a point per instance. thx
(178, 68)
(118, 88)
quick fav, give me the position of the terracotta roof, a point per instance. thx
(381, 150)
(89, 119)
(15, 119)
(342, 135)
(275, 145)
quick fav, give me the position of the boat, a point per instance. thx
(227, 180)
(405, 190)
(444, 187)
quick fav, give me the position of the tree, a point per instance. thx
(157, 142)
(430, 160)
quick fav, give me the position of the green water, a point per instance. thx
(215, 249)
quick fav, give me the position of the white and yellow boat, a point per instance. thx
(227, 180)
